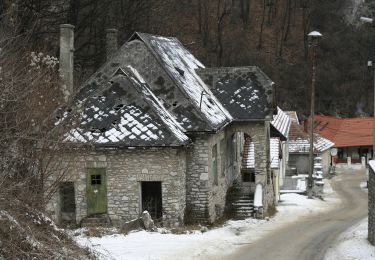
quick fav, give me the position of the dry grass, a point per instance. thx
(26, 233)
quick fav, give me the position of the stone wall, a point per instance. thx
(197, 182)
(206, 199)
(125, 170)
(260, 136)
(371, 203)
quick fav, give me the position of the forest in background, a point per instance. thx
(271, 34)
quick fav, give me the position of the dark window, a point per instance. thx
(248, 176)
(214, 164)
(231, 150)
(96, 179)
(222, 157)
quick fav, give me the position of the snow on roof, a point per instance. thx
(248, 160)
(299, 145)
(180, 64)
(281, 122)
(322, 144)
(246, 92)
(299, 140)
(126, 113)
(293, 116)
(274, 152)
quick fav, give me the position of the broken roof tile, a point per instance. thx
(180, 65)
(246, 92)
(126, 113)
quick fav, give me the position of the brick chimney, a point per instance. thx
(111, 42)
(66, 58)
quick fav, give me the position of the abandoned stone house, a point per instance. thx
(162, 133)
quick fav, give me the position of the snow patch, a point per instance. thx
(352, 244)
(213, 244)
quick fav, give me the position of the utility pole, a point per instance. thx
(313, 38)
(369, 65)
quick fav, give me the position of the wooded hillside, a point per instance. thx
(268, 33)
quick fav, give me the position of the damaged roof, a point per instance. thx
(124, 104)
(124, 113)
(181, 66)
(246, 92)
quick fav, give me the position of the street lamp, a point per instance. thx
(314, 38)
(369, 65)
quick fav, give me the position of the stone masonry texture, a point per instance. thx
(125, 170)
(206, 200)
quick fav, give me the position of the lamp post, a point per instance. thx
(314, 38)
(370, 64)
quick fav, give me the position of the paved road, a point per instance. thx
(310, 237)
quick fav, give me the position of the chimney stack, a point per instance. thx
(66, 58)
(111, 42)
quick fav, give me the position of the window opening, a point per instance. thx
(96, 179)
(214, 164)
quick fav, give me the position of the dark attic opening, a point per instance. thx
(151, 198)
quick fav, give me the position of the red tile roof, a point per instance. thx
(345, 131)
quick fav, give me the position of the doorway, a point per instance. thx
(67, 201)
(96, 191)
(151, 198)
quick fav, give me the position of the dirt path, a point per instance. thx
(310, 237)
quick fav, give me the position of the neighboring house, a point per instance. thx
(353, 137)
(280, 127)
(157, 138)
(299, 147)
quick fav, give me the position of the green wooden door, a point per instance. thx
(96, 191)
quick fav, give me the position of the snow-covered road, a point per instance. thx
(309, 237)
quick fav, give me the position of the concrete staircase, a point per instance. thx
(99, 220)
(243, 206)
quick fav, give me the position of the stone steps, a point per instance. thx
(243, 207)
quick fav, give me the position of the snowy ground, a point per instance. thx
(352, 244)
(211, 244)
